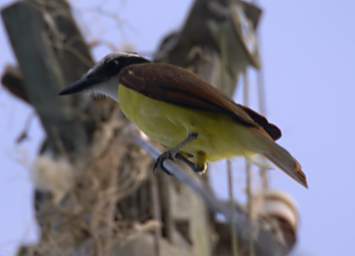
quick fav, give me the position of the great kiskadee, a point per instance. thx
(185, 114)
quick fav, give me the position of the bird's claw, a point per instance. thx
(159, 163)
(199, 169)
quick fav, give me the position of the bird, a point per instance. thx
(195, 122)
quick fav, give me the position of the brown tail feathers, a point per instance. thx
(283, 159)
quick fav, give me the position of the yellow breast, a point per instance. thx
(219, 136)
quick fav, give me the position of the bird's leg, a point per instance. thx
(200, 166)
(173, 152)
(183, 158)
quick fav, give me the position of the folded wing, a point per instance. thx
(178, 86)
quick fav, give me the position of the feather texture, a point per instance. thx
(178, 86)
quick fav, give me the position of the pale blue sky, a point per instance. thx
(309, 62)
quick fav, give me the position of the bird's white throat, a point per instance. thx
(108, 88)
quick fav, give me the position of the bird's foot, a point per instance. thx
(201, 162)
(173, 153)
(199, 168)
(159, 163)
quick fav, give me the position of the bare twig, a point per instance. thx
(156, 209)
(234, 241)
(262, 107)
(24, 134)
(249, 174)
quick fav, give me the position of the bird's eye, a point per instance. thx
(111, 67)
(113, 64)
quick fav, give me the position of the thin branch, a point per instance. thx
(24, 134)
(234, 241)
(156, 210)
(249, 174)
(262, 107)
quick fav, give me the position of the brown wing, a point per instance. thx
(270, 128)
(178, 86)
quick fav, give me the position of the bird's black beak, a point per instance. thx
(81, 85)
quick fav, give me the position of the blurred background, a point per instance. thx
(308, 61)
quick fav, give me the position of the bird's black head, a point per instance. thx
(113, 63)
(101, 76)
